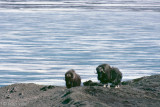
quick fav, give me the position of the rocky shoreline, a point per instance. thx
(140, 92)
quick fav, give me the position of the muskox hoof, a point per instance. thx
(108, 86)
(117, 86)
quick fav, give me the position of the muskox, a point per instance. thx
(72, 79)
(108, 74)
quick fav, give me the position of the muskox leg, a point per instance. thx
(117, 82)
(105, 85)
(108, 85)
(117, 86)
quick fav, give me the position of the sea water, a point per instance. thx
(40, 41)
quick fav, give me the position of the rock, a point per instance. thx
(8, 97)
(45, 88)
(90, 83)
(14, 89)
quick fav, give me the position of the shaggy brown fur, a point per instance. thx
(72, 79)
(108, 74)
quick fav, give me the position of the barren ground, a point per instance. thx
(141, 92)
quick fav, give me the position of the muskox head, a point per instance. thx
(72, 79)
(70, 74)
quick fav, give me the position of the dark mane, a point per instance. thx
(72, 79)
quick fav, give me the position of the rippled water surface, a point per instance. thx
(40, 44)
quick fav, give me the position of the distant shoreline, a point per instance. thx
(134, 5)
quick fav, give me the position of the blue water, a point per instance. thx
(39, 46)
